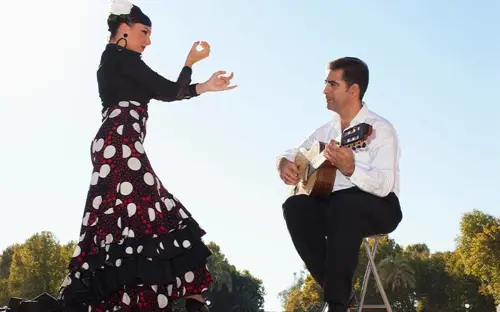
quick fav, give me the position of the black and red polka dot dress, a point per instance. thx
(139, 247)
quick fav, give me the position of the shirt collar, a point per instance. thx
(359, 118)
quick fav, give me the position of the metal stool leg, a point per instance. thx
(369, 267)
(366, 278)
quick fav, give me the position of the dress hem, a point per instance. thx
(145, 261)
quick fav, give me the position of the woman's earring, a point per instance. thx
(121, 48)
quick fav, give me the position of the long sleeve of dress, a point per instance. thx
(162, 88)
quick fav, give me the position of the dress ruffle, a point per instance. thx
(147, 261)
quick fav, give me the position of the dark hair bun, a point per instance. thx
(114, 21)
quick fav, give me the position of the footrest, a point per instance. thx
(369, 306)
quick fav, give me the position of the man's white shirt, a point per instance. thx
(376, 165)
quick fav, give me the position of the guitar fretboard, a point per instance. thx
(317, 161)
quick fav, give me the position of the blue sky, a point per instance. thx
(434, 68)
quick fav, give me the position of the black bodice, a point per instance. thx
(123, 76)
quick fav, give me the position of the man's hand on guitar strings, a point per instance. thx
(289, 172)
(340, 157)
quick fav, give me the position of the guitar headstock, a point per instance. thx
(356, 136)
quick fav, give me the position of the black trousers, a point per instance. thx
(328, 232)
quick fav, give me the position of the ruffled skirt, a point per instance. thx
(139, 247)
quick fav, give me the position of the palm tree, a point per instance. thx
(396, 272)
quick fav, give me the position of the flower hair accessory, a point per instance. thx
(121, 7)
(122, 11)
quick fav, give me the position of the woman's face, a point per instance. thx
(138, 37)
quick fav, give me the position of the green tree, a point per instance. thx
(417, 251)
(5, 262)
(312, 295)
(289, 295)
(293, 302)
(465, 289)
(387, 249)
(471, 224)
(248, 293)
(416, 279)
(232, 290)
(479, 246)
(306, 295)
(38, 265)
(397, 273)
(484, 262)
(219, 268)
(303, 295)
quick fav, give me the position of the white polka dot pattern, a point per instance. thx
(127, 207)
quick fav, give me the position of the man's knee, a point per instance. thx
(393, 222)
(296, 205)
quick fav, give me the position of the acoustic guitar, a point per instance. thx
(316, 173)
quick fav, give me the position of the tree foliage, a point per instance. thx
(40, 265)
(233, 290)
(479, 247)
(303, 295)
(417, 280)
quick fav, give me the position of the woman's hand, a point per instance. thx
(216, 83)
(195, 56)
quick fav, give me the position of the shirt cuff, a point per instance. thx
(290, 156)
(192, 90)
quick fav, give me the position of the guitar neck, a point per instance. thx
(318, 160)
(355, 135)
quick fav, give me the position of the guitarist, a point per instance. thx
(364, 200)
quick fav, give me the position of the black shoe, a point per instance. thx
(336, 308)
(353, 300)
(193, 305)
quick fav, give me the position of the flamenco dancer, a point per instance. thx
(139, 248)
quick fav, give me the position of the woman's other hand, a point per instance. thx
(195, 56)
(217, 82)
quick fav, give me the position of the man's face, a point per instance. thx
(336, 90)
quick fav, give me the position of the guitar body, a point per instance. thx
(320, 183)
(316, 174)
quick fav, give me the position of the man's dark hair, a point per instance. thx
(355, 71)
